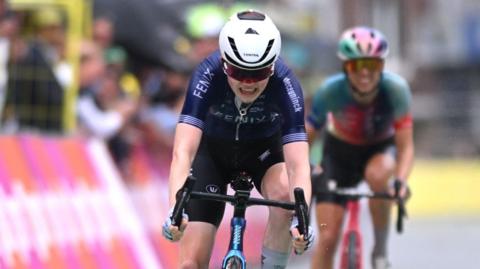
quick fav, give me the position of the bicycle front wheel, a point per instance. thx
(351, 251)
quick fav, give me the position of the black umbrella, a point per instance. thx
(148, 29)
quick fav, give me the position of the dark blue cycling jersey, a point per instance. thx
(210, 105)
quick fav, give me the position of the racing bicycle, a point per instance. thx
(242, 185)
(351, 244)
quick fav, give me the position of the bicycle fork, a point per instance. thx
(235, 259)
(351, 255)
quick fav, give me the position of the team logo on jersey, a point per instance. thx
(264, 155)
(293, 96)
(211, 188)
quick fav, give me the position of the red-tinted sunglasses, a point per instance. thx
(371, 64)
(247, 76)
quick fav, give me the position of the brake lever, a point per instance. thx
(182, 198)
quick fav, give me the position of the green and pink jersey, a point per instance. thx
(347, 119)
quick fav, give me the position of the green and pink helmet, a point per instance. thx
(362, 42)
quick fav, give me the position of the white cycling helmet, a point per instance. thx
(250, 40)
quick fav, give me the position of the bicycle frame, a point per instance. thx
(242, 185)
(237, 229)
(352, 241)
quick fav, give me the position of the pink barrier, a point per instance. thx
(63, 205)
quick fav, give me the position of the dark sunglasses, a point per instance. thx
(371, 64)
(247, 76)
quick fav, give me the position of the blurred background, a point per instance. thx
(90, 92)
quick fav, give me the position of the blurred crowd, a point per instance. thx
(132, 68)
(122, 100)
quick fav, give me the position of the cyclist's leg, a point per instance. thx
(196, 245)
(329, 217)
(277, 237)
(204, 216)
(378, 172)
(340, 167)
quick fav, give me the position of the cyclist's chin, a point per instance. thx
(365, 88)
(247, 95)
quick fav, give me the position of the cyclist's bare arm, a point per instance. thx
(298, 167)
(405, 152)
(311, 132)
(187, 139)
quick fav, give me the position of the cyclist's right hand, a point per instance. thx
(171, 232)
(299, 242)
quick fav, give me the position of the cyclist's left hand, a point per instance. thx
(299, 242)
(404, 190)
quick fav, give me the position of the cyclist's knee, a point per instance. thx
(379, 169)
(378, 178)
(278, 192)
(327, 242)
(275, 185)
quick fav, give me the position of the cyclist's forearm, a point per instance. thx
(179, 170)
(405, 154)
(405, 163)
(187, 139)
(298, 167)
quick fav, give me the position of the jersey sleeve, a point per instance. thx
(401, 97)
(318, 112)
(199, 92)
(293, 110)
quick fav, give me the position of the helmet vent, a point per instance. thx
(381, 47)
(359, 47)
(251, 31)
(348, 49)
(251, 15)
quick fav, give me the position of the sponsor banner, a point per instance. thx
(63, 205)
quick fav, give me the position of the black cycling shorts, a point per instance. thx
(345, 163)
(217, 161)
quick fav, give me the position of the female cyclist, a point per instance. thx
(367, 116)
(244, 111)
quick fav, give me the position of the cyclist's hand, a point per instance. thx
(171, 232)
(299, 242)
(403, 189)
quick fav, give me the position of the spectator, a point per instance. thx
(116, 59)
(115, 56)
(9, 25)
(35, 95)
(103, 32)
(166, 91)
(103, 109)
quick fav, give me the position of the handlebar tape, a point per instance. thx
(301, 210)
